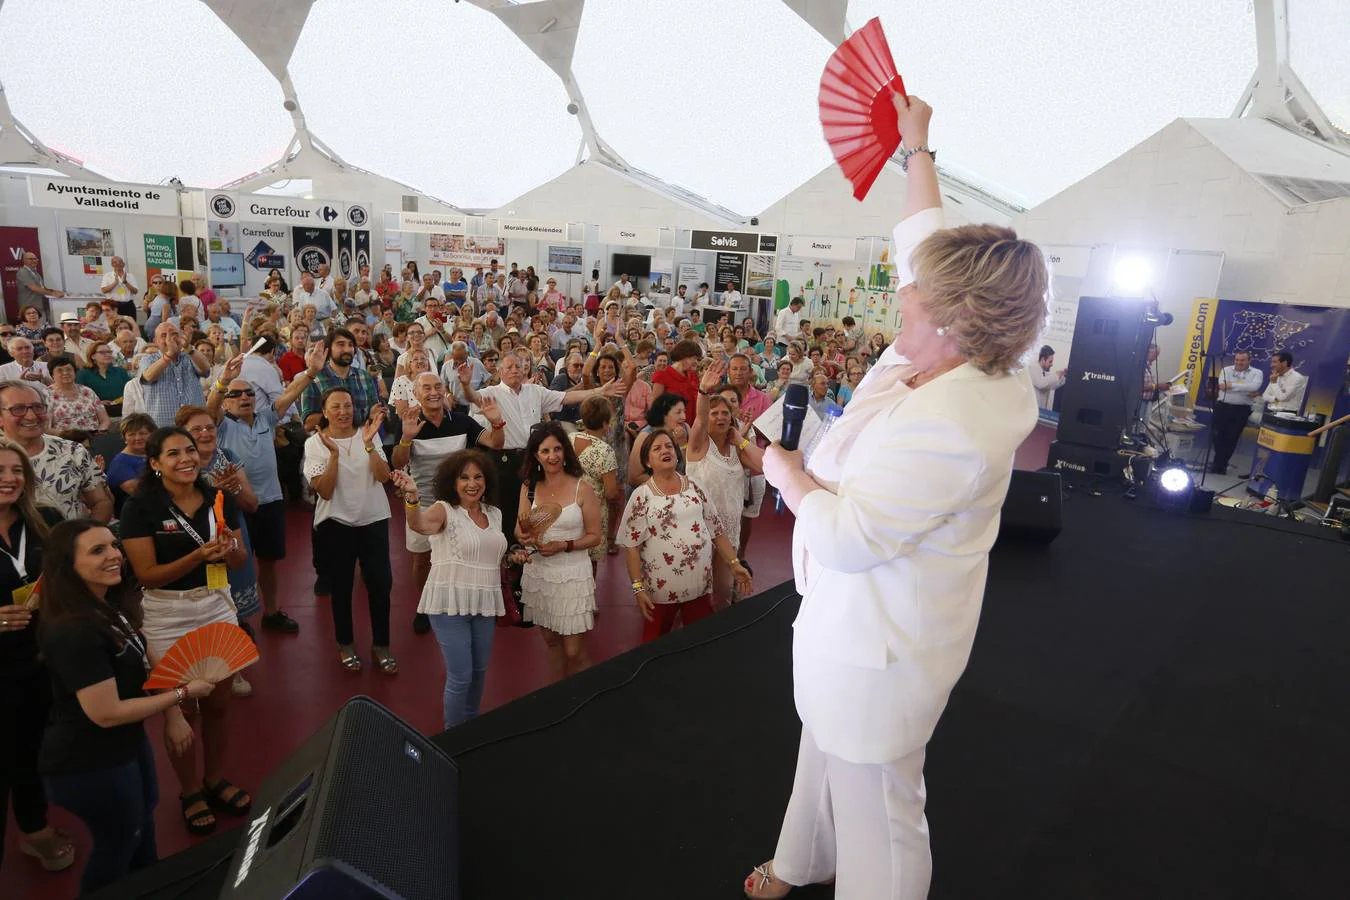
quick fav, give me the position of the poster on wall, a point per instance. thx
(265, 247)
(466, 251)
(1317, 336)
(14, 243)
(661, 279)
(89, 242)
(566, 260)
(345, 267)
(691, 275)
(169, 256)
(730, 267)
(312, 247)
(224, 237)
(759, 276)
(362, 249)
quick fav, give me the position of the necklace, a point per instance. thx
(657, 489)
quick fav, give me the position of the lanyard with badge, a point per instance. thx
(217, 576)
(24, 592)
(135, 641)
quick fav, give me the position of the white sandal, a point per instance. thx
(762, 878)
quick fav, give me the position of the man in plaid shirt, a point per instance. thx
(366, 390)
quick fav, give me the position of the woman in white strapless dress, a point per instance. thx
(557, 588)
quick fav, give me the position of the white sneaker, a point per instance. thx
(240, 687)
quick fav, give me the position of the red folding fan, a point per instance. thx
(212, 653)
(857, 109)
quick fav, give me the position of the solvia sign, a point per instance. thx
(733, 241)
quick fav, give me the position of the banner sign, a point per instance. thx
(691, 275)
(729, 267)
(344, 256)
(433, 223)
(529, 229)
(169, 255)
(161, 251)
(813, 247)
(362, 249)
(14, 243)
(227, 206)
(733, 241)
(313, 247)
(631, 237)
(468, 252)
(102, 196)
(1317, 336)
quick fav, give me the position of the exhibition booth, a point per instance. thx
(75, 227)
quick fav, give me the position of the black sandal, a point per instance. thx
(237, 804)
(202, 821)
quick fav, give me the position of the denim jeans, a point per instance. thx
(117, 805)
(466, 645)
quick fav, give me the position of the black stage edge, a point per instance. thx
(1155, 708)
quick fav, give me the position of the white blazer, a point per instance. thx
(891, 560)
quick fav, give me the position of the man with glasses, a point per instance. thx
(31, 289)
(431, 432)
(247, 429)
(68, 479)
(171, 375)
(451, 376)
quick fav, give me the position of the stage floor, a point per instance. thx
(1155, 708)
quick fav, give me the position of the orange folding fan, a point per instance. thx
(857, 107)
(212, 653)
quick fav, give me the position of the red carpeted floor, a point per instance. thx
(298, 683)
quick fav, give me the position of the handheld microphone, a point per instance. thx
(794, 416)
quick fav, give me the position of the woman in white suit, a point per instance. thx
(895, 517)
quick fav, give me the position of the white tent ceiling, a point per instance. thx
(468, 101)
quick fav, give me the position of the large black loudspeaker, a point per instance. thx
(366, 809)
(1106, 371)
(1080, 463)
(1033, 511)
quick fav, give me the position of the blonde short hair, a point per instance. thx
(988, 287)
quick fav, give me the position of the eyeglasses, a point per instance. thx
(234, 395)
(19, 410)
(202, 429)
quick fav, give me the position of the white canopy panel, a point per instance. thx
(1319, 36)
(439, 95)
(716, 97)
(141, 90)
(1031, 97)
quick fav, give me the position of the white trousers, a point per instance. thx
(862, 825)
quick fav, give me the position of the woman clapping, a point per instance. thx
(347, 468)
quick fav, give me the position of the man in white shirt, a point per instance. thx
(702, 299)
(1238, 387)
(310, 294)
(624, 285)
(523, 405)
(1287, 387)
(325, 281)
(429, 290)
(678, 302)
(26, 366)
(433, 326)
(1045, 381)
(117, 285)
(788, 322)
(732, 300)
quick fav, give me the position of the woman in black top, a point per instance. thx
(181, 557)
(25, 692)
(95, 757)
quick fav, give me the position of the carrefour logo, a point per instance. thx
(222, 205)
(1098, 376)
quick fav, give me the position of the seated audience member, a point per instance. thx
(68, 479)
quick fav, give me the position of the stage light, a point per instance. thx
(1132, 276)
(1175, 480)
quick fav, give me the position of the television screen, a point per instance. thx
(636, 265)
(227, 270)
(564, 259)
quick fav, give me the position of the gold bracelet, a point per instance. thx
(404, 443)
(370, 448)
(411, 504)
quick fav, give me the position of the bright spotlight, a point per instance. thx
(1132, 276)
(1175, 480)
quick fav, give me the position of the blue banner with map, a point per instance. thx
(1317, 336)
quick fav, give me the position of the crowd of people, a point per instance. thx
(524, 432)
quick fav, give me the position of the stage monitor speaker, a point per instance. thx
(1106, 371)
(367, 809)
(1033, 511)
(1082, 464)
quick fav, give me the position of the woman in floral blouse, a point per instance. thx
(670, 529)
(74, 407)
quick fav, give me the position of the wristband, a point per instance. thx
(220, 386)
(370, 448)
(180, 694)
(404, 443)
(569, 546)
(638, 587)
(411, 504)
(745, 442)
